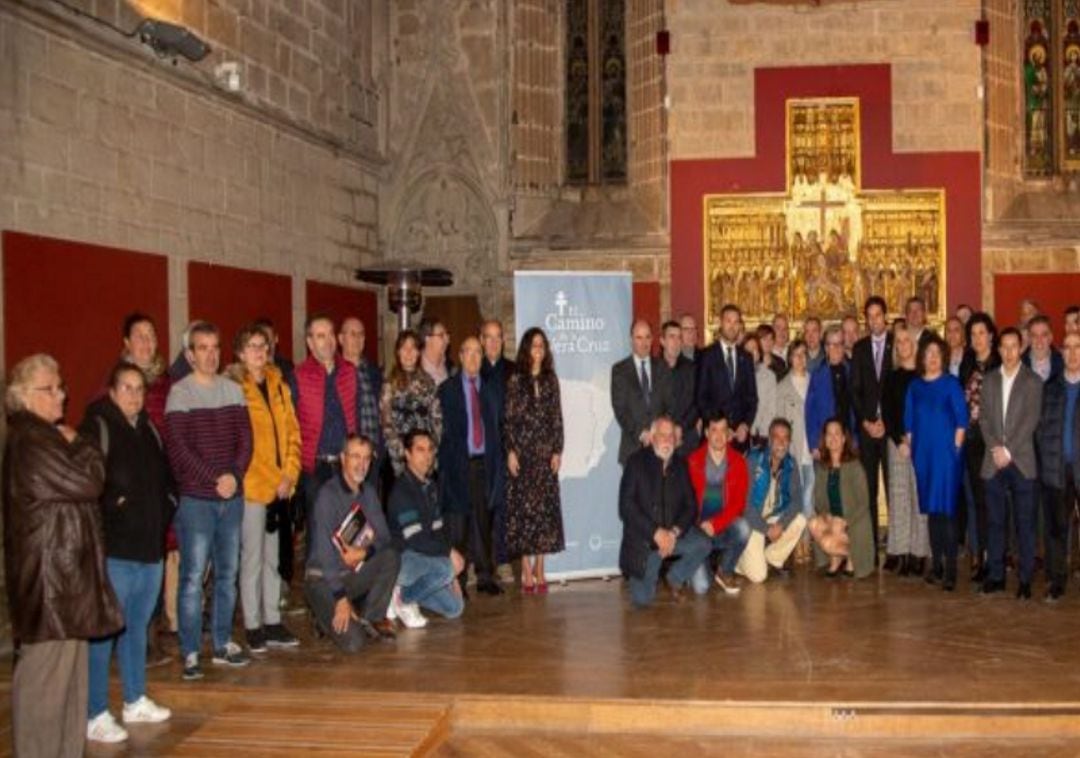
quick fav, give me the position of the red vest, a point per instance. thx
(311, 385)
(736, 483)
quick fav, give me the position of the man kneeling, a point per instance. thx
(429, 565)
(656, 505)
(773, 505)
(350, 603)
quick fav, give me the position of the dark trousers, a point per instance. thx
(943, 544)
(295, 519)
(872, 455)
(974, 451)
(1058, 506)
(369, 590)
(1005, 484)
(470, 533)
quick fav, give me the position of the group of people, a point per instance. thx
(187, 480)
(761, 451)
(738, 459)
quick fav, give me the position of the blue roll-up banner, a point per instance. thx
(587, 318)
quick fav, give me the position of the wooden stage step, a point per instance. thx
(255, 722)
(827, 720)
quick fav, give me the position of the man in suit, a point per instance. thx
(640, 391)
(656, 506)
(915, 315)
(1058, 445)
(682, 409)
(829, 392)
(725, 379)
(1008, 418)
(871, 362)
(495, 372)
(468, 458)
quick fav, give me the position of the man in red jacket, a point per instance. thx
(719, 476)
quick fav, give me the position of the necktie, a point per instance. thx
(477, 422)
(645, 388)
(878, 350)
(731, 364)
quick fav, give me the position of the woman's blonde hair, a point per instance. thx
(21, 376)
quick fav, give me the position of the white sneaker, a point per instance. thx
(145, 711)
(103, 728)
(391, 614)
(409, 613)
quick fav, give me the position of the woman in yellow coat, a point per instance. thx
(271, 477)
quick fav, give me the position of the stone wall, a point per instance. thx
(101, 142)
(716, 46)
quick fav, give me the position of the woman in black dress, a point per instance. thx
(534, 443)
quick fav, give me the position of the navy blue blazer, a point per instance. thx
(454, 444)
(714, 391)
(497, 375)
(1057, 362)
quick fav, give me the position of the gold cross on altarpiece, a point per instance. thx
(824, 204)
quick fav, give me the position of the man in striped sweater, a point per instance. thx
(209, 446)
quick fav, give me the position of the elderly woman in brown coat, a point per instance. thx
(58, 592)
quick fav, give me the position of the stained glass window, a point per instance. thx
(1050, 78)
(1038, 91)
(595, 99)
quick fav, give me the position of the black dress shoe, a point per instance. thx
(1023, 592)
(989, 587)
(935, 576)
(489, 588)
(949, 585)
(891, 562)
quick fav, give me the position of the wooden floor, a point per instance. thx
(797, 666)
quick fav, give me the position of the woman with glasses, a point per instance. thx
(269, 481)
(59, 594)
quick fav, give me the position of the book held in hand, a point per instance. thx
(355, 531)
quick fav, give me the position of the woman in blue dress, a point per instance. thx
(935, 417)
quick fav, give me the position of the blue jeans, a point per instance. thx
(806, 479)
(1009, 481)
(730, 543)
(137, 586)
(691, 549)
(428, 581)
(207, 530)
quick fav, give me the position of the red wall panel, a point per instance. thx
(956, 172)
(1053, 292)
(69, 299)
(232, 297)
(647, 306)
(342, 302)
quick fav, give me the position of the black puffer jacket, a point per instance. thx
(54, 551)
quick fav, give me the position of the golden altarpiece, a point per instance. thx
(826, 244)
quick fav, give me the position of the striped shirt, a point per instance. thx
(208, 434)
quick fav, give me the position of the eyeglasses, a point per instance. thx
(51, 389)
(256, 346)
(132, 389)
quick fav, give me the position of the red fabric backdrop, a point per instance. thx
(647, 306)
(956, 172)
(341, 302)
(1053, 292)
(232, 297)
(69, 299)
